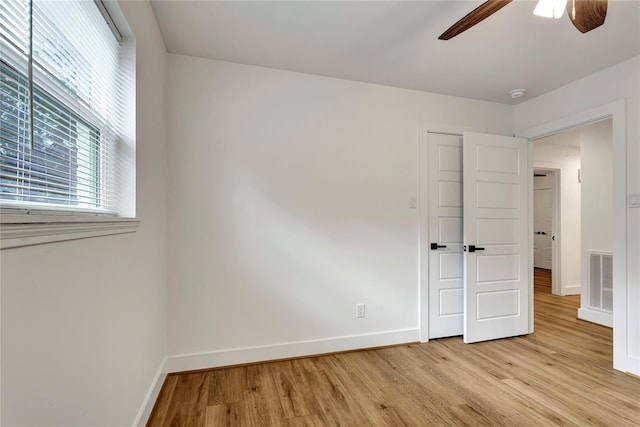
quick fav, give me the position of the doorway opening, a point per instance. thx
(578, 251)
(545, 219)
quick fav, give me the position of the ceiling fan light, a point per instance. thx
(550, 8)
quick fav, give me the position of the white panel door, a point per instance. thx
(445, 232)
(496, 235)
(543, 220)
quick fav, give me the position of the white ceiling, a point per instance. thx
(395, 42)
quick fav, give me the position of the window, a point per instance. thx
(67, 111)
(63, 165)
(60, 80)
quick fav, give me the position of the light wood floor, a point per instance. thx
(560, 375)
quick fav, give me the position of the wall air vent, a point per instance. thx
(601, 281)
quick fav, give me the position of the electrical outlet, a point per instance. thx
(359, 310)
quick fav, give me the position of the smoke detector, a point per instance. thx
(517, 93)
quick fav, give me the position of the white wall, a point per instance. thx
(83, 322)
(596, 148)
(567, 158)
(604, 88)
(596, 152)
(288, 204)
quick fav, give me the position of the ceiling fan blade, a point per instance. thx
(589, 14)
(477, 15)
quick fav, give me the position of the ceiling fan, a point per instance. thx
(584, 14)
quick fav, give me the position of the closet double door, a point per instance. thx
(478, 236)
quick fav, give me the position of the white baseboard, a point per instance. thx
(213, 359)
(152, 395)
(572, 290)
(633, 365)
(599, 317)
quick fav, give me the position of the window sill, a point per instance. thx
(26, 230)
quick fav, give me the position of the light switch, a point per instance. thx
(413, 202)
(634, 200)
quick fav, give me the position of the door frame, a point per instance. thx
(617, 112)
(556, 221)
(423, 195)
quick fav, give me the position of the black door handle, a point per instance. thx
(473, 248)
(435, 246)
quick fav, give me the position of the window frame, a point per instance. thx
(17, 230)
(33, 225)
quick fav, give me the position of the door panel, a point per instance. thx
(497, 268)
(497, 159)
(498, 305)
(450, 229)
(498, 231)
(450, 265)
(450, 193)
(496, 195)
(449, 157)
(451, 302)
(496, 283)
(445, 228)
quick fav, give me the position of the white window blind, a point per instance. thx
(61, 71)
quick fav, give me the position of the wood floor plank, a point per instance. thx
(333, 399)
(228, 386)
(189, 401)
(228, 415)
(165, 400)
(370, 400)
(264, 408)
(314, 420)
(561, 375)
(287, 382)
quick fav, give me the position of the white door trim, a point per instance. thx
(617, 111)
(424, 128)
